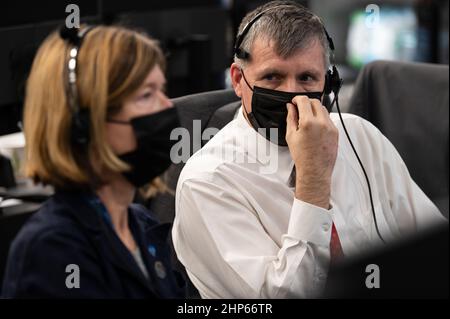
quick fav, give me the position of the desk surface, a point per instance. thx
(22, 208)
(29, 197)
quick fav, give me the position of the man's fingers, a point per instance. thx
(292, 118)
(323, 116)
(320, 110)
(305, 111)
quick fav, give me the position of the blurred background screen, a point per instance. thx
(396, 37)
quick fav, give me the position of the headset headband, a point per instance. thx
(242, 54)
(80, 117)
(74, 37)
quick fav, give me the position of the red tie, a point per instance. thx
(336, 252)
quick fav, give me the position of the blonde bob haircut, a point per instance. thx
(113, 62)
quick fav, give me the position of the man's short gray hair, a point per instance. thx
(291, 26)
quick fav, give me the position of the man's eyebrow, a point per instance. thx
(312, 71)
(270, 70)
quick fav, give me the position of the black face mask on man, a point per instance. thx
(152, 154)
(269, 111)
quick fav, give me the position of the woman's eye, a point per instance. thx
(145, 96)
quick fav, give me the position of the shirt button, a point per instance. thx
(326, 227)
(160, 269)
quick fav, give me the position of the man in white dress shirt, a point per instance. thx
(255, 219)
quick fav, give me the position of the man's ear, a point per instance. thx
(236, 76)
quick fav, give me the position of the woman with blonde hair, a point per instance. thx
(97, 126)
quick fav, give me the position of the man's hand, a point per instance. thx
(313, 141)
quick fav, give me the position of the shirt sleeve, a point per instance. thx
(228, 253)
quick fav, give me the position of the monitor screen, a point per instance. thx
(395, 35)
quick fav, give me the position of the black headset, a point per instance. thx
(79, 132)
(333, 81)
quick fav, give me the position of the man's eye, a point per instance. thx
(271, 77)
(307, 78)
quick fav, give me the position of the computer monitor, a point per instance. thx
(406, 30)
(395, 35)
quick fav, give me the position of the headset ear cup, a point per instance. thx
(335, 81)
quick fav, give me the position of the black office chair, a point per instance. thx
(409, 104)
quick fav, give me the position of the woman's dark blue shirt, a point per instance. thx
(72, 229)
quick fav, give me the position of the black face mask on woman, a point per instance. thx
(269, 110)
(152, 154)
